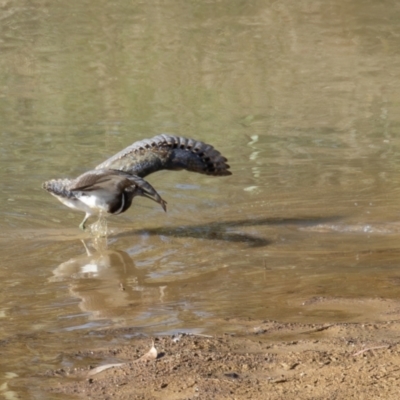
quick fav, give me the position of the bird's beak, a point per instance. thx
(157, 198)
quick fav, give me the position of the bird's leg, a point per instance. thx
(82, 225)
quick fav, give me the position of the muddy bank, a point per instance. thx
(327, 361)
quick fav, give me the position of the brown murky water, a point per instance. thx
(303, 99)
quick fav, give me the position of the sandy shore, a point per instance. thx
(263, 360)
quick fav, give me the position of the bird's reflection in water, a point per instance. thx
(107, 281)
(110, 285)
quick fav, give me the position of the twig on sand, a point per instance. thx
(370, 348)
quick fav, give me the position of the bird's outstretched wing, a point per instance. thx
(168, 152)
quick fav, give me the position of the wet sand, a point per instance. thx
(259, 360)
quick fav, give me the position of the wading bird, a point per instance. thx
(112, 185)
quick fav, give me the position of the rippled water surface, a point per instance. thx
(301, 97)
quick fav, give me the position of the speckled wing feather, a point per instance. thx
(168, 152)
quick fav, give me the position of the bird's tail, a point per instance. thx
(58, 187)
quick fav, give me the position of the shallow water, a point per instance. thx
(301, 97)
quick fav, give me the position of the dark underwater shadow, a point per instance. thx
(220, 230)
